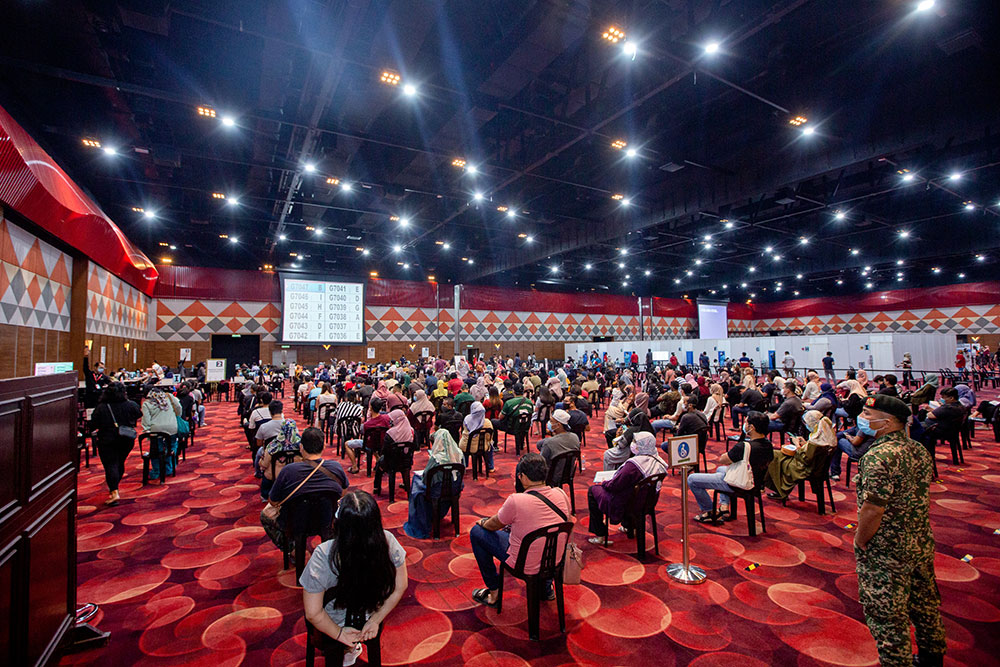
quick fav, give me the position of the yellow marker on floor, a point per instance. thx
(966, 558)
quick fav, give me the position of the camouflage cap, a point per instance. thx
(889, 405)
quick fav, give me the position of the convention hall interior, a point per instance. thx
(499, 332)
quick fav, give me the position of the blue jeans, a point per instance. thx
(737, 410)
(844, 446)
(661, 424)
(775, 425)
(701, 482)
(487, 545)
(842, 413)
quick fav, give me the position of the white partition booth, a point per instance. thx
(878, 351)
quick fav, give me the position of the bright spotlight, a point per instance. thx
(908, 177)
(228, 121)
(511, 213)
(309, 167)
(630, 49)
(648, 272)
(626, 202)
(404, 222)
(631, 152)
(588, 267)
(478, 196)
(397, 248)
(149, 215)
(839, 215)
(233, 201)
(925, 5)
(345, 186)
(110, 150)
(409, 90)
(955, 177)
(472, 169)
(712, 47)
(233, 239)
(904, 234)
(282, 237)
(809, 130)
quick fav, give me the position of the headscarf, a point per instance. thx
(160, 399)
(931, 379)
(965, 395)
(288, 438)
(647, 458)
(444, 449)
(400, 431)
(420, 402)
(642, 402)
(478, 390)
(724, 376)
(703, 388)
(476, 417)
(442, 389)
(616, 397)
(862, 378)
(854, 387)
(820, 429)
(563, 380)
(381, 391)
(638, 420)
(826, 391)
(749, 381)
(716, 390)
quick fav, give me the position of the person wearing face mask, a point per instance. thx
(893, 544)
(95, 380)
(755, 430)
(785, 471)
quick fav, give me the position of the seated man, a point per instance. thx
(789, 412)
(512, 407)
(750, 400)
(329, 477)
(691, 422)
(271, 428)
(463, 400)
(578, 417)
(851, 442)
(449, 418)
(755, 431)
(377, 418)
(889, 385)
(561, 441)
(944, 419)
(533, 506)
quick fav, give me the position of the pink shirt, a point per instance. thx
(525, 513)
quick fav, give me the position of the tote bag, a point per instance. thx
(740, 475)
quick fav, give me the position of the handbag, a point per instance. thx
(124, 431)
(272, 510)
(573, 563)
(740, 475)
(183, 428)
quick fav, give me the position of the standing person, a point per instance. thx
(634, 361)
(364, 565)
(704, 362)
(113, 414)
(160, 411)
(960, 363)
(828, 368)
(789, 364)
(894, 545)
(649, 361)
(95, 380)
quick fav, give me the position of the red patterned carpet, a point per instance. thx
(185, 575)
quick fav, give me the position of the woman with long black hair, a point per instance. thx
(113, 423)
(363, 566)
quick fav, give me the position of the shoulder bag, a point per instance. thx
(124, 431)
(739, 475)
(272, 510)
(573, 565)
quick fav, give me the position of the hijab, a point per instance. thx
(616, 397)
(826, 391)
(703, 388)
(932, 379)
(382, 391)
(476, 417)
(642, 403)
(965, 395)
(749, 382)
(638, 420)
(160, 399)
(442, 389)
(854, 387)
(724, 376)
(400, 431)
(820, 428)
(444, 449)
(647, 458)
(420, 402)
(478, 390)
(862, 378)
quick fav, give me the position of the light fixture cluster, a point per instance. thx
(613, 34)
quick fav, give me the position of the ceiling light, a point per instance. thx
(630, 49)
(697, 262)
(366, 252)
(166, 260)
(621, 265)
(554, 268)
(626, 202)
(619, 144)
(233, 201)
(389, 78)
(961, 275)
(623, 251)
(725, 286)
(688, 273)
(138, 209)
(397, 248)
(218, 195)
(752, 269)
(768, 249)
(677, 281)
(798, 120)
(712, 47)
(373, 274)
(618, 197)
(207, 112)
(899, 262)
(798, 276)
(319, 231)
(969, 206)
(404, 222)
(529, 239)
(91, 143)
(228, 121)
(925, 5)
(796, 292)
(648, 272)
(904, 234)
(472, 169)
(333, 181)
(855, 251)
(840, 282)
(478, 196)
(625, 284)
(511, 213)
(501, 208)
(446, 246)
(631, 152)
(406, 265)
(588, 267)
(110, 150)
(309, 167)
(346, 187)
(809, 130)
(613, 34)
(980, 258)
(282, 237)
(743, 285)
(936, 270)
(409, 90)
(804, 241)
(908, 177)
(729, 224)
(839, 215)
(955, 176)
(234, 239)
(458, 162)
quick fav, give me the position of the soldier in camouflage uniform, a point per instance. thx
(894, 545)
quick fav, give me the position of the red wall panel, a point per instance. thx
(499, 298)
(663, 307)
(196, 282)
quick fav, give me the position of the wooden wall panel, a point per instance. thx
(8, 350)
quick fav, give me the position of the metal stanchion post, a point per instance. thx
(685, 572)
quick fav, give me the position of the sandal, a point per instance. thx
(482, 596)
(707, 517)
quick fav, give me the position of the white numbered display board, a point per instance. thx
(215, 370)
(317, 311)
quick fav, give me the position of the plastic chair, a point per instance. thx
(551, 567)
(371, 444)
(422, 428)
(519, 429)
(447, 495)
(397, 457)
(642, 504)
(544, 414)
(333, 650)
(305, 515)
(562, 471)
(748, 496)
(476, 451)
(155, 450)
(323, 413)
(348, 428)
(819, 476)
(581, 433)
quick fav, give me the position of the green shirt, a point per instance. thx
(895, 473)
(463, 397)
(515, 403)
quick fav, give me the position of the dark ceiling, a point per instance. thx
(722, 190)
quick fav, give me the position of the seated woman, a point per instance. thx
(853, 403)
(399, 432)
(784, 471)
(926, 393)
(287, 440)
(363, 568)
(611, 497)
(615, 413)
(474, 421)
(420, 404)
(621, 451)
(443, 450)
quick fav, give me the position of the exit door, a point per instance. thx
(286, 358)
(236, 350)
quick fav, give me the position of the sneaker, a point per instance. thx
(835, 478)
(597, 539)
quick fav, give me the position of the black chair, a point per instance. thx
(551, 568)
(284, 458)
(422, 428)
(966, 431)
(819, 477)
(477, 441)
(333, 650)
(348, 428)
(748, 496)
(371, 445)
(277, 387)
(464, 407)
(852, 460)
(953, 438)
(717, 422)
(562, 471)
(544, 413)
(519, 428)
(397, 457)
(453, 426)
(324, 414)
(642, 504)
(443, 475)
(305, 515)
(157, 450)
(581, 433)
